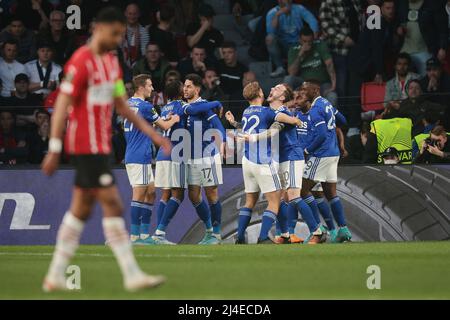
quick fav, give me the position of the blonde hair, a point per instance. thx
(251, 91)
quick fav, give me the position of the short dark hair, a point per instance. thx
(313, 81)
(166, 12)
(42, 111)
(173, 90)
(198, 46)
(110, 14)
(228, 44)
(153, 43)
(439, 131)
(21, 77)
(288, 93)
(205, 10)
(140, 80)
(195, 79)
(404, 56)
(10, 41)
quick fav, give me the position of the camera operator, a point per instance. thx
(436, 148)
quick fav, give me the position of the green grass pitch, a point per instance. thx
(408, 271)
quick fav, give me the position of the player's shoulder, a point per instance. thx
(81, 55)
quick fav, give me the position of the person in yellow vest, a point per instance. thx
(394, 133)
(435, 148)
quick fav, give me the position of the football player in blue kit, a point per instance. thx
(260, 161)
(138, 158)
(171, 170)
(324, 154)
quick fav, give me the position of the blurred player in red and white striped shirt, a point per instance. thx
(91, 88)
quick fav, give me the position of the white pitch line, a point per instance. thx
(101, 255)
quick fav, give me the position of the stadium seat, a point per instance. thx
(372, 96)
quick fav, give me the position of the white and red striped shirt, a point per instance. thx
(90, 80)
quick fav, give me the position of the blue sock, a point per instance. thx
(267, 222)
(306, 213)
(311, 202)
(245, 215)
(325, 212)
(216, 216)
(204, 214)
(135, 218)
(277, 228)
(169, 212)
(282, 217)
(146, 214)
(160, 211)
(338, 211)
(292, 218)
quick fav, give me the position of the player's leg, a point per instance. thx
(165, 196)
(245, 215)
(163, 182)
(269, 215)
(212, 195)
(324, 209)
(117, 238)
(137, 202)
(203, 212)
(171, 208)
(68, 238)
(146, 211)
(343, 233)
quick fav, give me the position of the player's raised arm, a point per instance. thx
(124, 110)
(167, 123)
(200, 107)
(58, 123)
(284, 118)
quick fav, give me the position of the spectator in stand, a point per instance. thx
(50, 100)
(37, 140)
(416, 107)
(424, 30)
(9, 67)
(136, 38)
(162, 35)
(34, 13)
(429, 122)
(436, 83)
(340, 21)
(154, 64)
(27, 102)
(43, 72)
(159, 98)
(283, 24)
(367, 61)
(197, 63)
(24, 37)
(212, 87)
(361, 148)
(312, 60)
(203, 33)
(396, 87)
(13, 146)
(435, 149)
(58, 37)
(230, 70)
(185, 14)
(130, 89)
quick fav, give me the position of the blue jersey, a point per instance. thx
(255, 120)
(323, 141)
(290, 149)
(139, 145)
(203, 144)
(304, 136)
(175, 107)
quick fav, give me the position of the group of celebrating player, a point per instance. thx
(277, 139)
(188, 157)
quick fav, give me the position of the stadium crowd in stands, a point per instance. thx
(405, 63)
